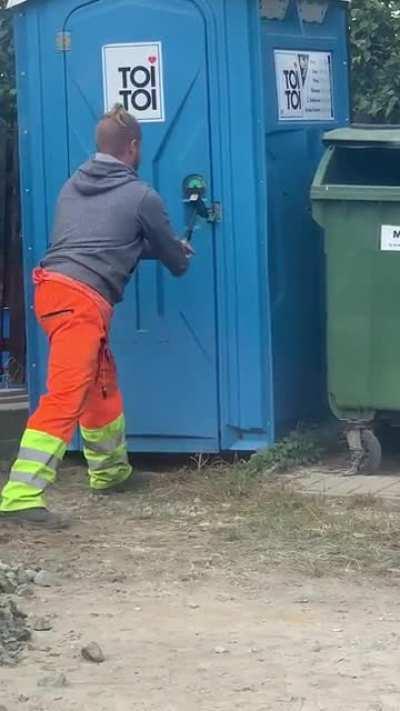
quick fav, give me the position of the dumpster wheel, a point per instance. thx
(365, 450)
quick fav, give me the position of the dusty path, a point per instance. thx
(193, 615)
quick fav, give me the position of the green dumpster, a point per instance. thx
(356, 200)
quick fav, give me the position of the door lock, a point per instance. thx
(194, 189)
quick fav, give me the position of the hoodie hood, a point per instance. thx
(95, 177)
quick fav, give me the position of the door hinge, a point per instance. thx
(214, 212)
(63, 41)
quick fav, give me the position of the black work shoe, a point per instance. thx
(38, 517)
(131, 483)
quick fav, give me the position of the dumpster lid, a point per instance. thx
(13, 3)
(366, 135)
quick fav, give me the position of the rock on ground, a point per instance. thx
(93, 653)
(53, 681)
(41, 624)
(45, 579)
(14, 632)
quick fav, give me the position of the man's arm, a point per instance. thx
(147, 251)
(159, 240)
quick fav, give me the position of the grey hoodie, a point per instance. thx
(106, 221)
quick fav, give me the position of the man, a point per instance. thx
(106, 221)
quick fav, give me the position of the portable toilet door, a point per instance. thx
(193, 354)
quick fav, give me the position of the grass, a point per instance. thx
(267, 522)
(326, 535)
(254, 517)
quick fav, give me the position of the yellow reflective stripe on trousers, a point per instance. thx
(104, 440)
(27, 478)
(106, 454)
(44, 442)
(17, 496)
(109, 445)
(31, 473)
(97, 461)
(38, 459)
(35, 455)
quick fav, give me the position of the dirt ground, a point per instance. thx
(210, 592)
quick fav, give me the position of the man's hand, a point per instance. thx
(187, 248)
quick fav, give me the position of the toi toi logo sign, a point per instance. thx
(292, 86)
(133, 76)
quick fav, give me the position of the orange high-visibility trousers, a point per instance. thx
(82, 389)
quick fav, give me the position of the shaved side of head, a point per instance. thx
(116, 131)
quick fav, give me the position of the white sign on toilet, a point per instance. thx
(304, 85)
(133, 77)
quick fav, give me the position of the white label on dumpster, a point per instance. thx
(133, 77)
(390, 238)
(304, 85)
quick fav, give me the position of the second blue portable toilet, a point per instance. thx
(235, 95)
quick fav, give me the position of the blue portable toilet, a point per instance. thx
(235, 92)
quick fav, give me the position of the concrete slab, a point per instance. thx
(324, 484)
(335, 484)
(338, 487)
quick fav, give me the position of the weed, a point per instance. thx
(297, 450)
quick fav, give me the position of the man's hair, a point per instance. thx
(116, 131)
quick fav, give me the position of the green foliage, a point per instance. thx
(7, 72)
(297, 450)
(375, 46)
